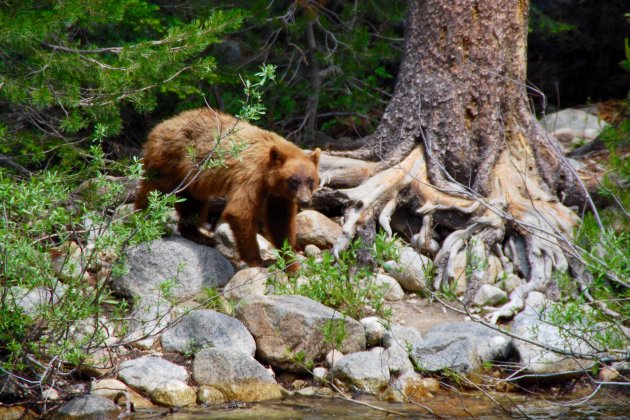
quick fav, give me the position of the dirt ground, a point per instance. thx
(418, 312)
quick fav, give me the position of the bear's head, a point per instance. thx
(294, 174)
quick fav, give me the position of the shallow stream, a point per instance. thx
(445, 405)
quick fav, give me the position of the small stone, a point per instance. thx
(317, 229)
(87, 407)
(151, 314)
(374, 330)
(312, 391)
(320, 374)
(333, 357)
(299, 383)
(227, 244)
(509, 281)
(412, 386)
(488, 295)
(112, 389)
(412, 271)
(392, 291)
(608, 374)
(209, 395)
(173, 393)
(312, 251)
(397, 360)
(50, 394)
(248, 283)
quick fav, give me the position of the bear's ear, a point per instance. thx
(315, 156)
(276, 156)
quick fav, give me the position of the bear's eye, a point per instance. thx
(310, 183)
(294, 183)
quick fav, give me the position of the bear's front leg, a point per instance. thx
(280, 224)
(240, 213)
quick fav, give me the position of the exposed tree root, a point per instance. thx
(517, 204)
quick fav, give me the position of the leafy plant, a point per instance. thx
(337, 284)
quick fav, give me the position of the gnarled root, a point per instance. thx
(379, 195)
(517, 201)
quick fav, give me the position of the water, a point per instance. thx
(445, 405)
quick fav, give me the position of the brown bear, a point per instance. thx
(204, 153)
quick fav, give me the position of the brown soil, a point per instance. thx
(417, 312)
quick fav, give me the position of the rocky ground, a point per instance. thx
(177, 352)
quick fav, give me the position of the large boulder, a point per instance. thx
(288, 328)
(316, 229)
(91, 407)
(366, 370)
(190, 265)
(206, 328)
(460, 346)
(236, 375)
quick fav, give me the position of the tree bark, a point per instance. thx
(459, 135)
(461, 91)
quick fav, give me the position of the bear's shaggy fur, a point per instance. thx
(264, 183)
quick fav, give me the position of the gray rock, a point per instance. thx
(333, 357)
(112, 389)
(374, 330)
(147, 372)
(317, 229)
(401, 337)
(570, 125)
(150, 316)
(236, 375)
(398, 342)
(209, 395)
(31, 299)
(489, 295)
(286, 327)
(411, 270)
(226, 244)
(411, 386)
(206, 328)
(173, 393)
(509, 281)
(91, 407)
(8, 388)
(397, 360)
(320, 374)
(366, 370)
(247, 283)
(460, 346)
(190, 265)
(532, 324)
(392, 291)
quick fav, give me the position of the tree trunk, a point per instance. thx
(459, 135)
